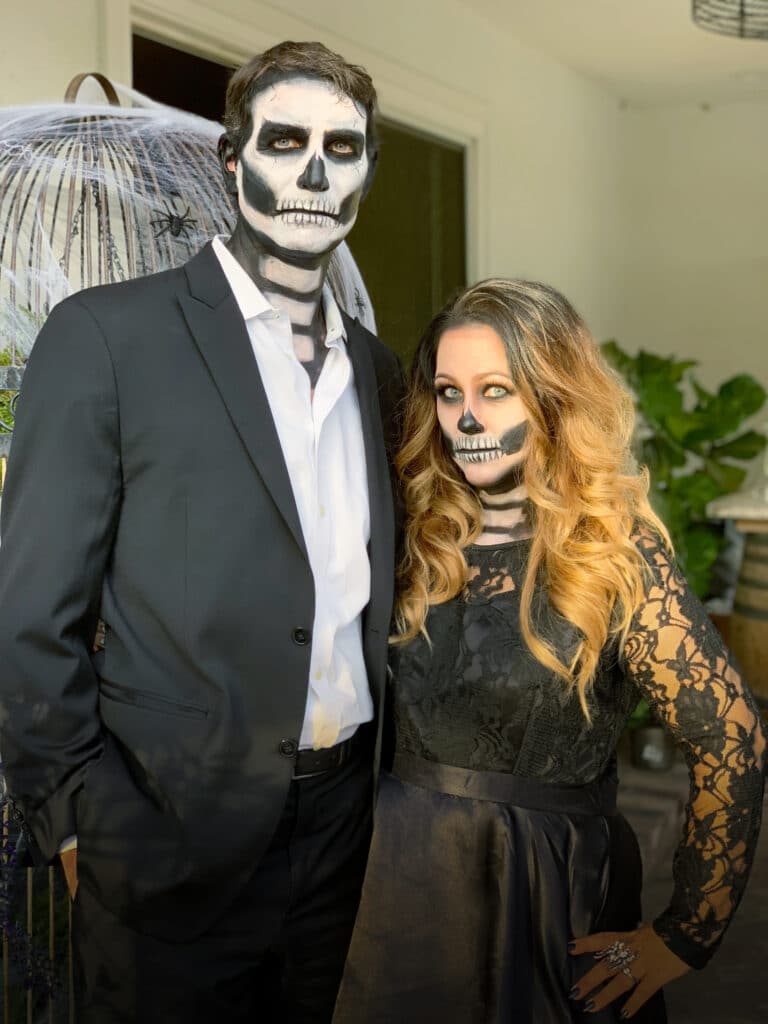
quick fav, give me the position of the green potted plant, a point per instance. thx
(693, 442)
(693, 445)
(6, 413)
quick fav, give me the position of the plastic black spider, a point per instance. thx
(171, 221)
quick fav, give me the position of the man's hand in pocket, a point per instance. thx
(69, 863)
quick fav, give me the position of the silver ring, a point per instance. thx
(630, 975)
(618, 956)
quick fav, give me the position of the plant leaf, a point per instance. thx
(745, 446)
(703, 396)
(681, 425)
(673, 513)
(698, 555)
(649, 364)
(744, 393)
(729, 477)
(659, 398)
(695, 491)
(641, 715)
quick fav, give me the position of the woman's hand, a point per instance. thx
(642, 974)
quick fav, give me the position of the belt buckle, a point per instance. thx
(340, 759)
(308, 775)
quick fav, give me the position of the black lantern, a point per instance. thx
(747, 19)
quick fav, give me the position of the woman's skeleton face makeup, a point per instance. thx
(483, 420)
(300, 175)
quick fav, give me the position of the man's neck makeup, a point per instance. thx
(300, 177)
(485, 427)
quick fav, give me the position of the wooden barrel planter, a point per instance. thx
(749, 621)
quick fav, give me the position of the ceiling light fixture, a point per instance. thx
(745, 18)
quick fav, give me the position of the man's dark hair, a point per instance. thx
(294, 60)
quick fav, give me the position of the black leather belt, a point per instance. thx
(309, 763)
(597, 797)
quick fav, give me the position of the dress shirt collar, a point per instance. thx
(253, 303)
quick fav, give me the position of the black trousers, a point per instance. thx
(278, 953)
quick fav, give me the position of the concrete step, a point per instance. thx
(732, 990)
(654, 805)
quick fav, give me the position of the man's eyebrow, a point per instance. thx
(344, 133)
(278, 128)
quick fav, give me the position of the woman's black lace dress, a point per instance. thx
(497, 838)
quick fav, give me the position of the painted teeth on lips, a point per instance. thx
(477, 449)
(474, 444)
(318, 206)
(482, 455)
(299, 217)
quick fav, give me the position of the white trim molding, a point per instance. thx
(114, 40)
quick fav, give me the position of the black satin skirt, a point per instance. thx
(476, 883)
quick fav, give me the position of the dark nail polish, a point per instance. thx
(624, 1014)
(574, 993)
(571, 946)
(590, 1005)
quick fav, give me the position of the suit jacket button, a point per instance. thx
(301, 637)
(288, 748)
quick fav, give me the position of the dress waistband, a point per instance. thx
(598, 797)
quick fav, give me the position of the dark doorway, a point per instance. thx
(409, 240)
(180, 79)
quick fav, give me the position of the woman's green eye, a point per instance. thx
(449, 393)
(495, 391)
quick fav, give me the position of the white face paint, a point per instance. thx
(301, 173)
(482, 417)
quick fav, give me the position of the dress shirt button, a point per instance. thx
(301, 637)
(288, 748)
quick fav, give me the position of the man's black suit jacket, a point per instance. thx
(146, 485)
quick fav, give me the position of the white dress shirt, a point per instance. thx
(321, 437)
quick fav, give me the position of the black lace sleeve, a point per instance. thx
(676, 658)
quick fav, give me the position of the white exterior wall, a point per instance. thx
(695, 183)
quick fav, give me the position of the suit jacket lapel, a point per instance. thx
(382, 545)
(220, 335)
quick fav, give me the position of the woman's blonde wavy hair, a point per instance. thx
(587, 496)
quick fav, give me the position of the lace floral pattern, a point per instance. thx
(476, 698)
(677, 660)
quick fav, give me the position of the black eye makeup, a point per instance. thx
(278, 138)
(286, 142)
(448, 393)
(496, 391)
(344, 145)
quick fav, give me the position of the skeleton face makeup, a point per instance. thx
(300, 175)
(482, 418)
